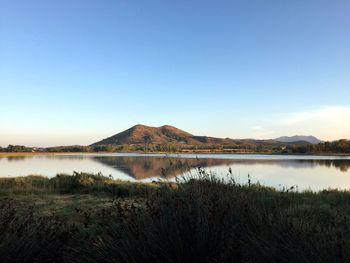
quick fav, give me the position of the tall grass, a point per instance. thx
(78, 183)
(208, 221)
(202, 220)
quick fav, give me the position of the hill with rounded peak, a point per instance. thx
(142, 134)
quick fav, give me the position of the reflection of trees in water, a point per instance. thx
(141, 167)
(66, 157)
(15, 158)
(43, 157)
(342, 165)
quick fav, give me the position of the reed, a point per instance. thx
(202, 220)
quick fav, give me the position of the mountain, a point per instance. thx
(299, 139)
(142, 134)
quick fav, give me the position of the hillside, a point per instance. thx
(142, 134)
(299, 139)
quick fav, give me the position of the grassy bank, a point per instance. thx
(92, 218)
(78, 183)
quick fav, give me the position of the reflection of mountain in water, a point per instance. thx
(142, 167)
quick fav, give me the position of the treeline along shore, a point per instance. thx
(334, 147)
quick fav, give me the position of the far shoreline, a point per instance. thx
(23, 154)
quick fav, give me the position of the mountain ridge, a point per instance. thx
(141, 134)
(299, 138)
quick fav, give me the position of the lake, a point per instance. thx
(305, 172)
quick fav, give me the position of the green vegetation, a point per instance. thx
(16, 148)
(245, 146)
(92, 218)
(336, 147)
(78, 183)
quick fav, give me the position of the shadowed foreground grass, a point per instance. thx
(91, 218)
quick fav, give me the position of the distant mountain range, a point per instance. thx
(299, 139)
(142, 134)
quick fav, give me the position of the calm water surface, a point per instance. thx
(306, 172)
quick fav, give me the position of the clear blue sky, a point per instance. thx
(80, 70)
